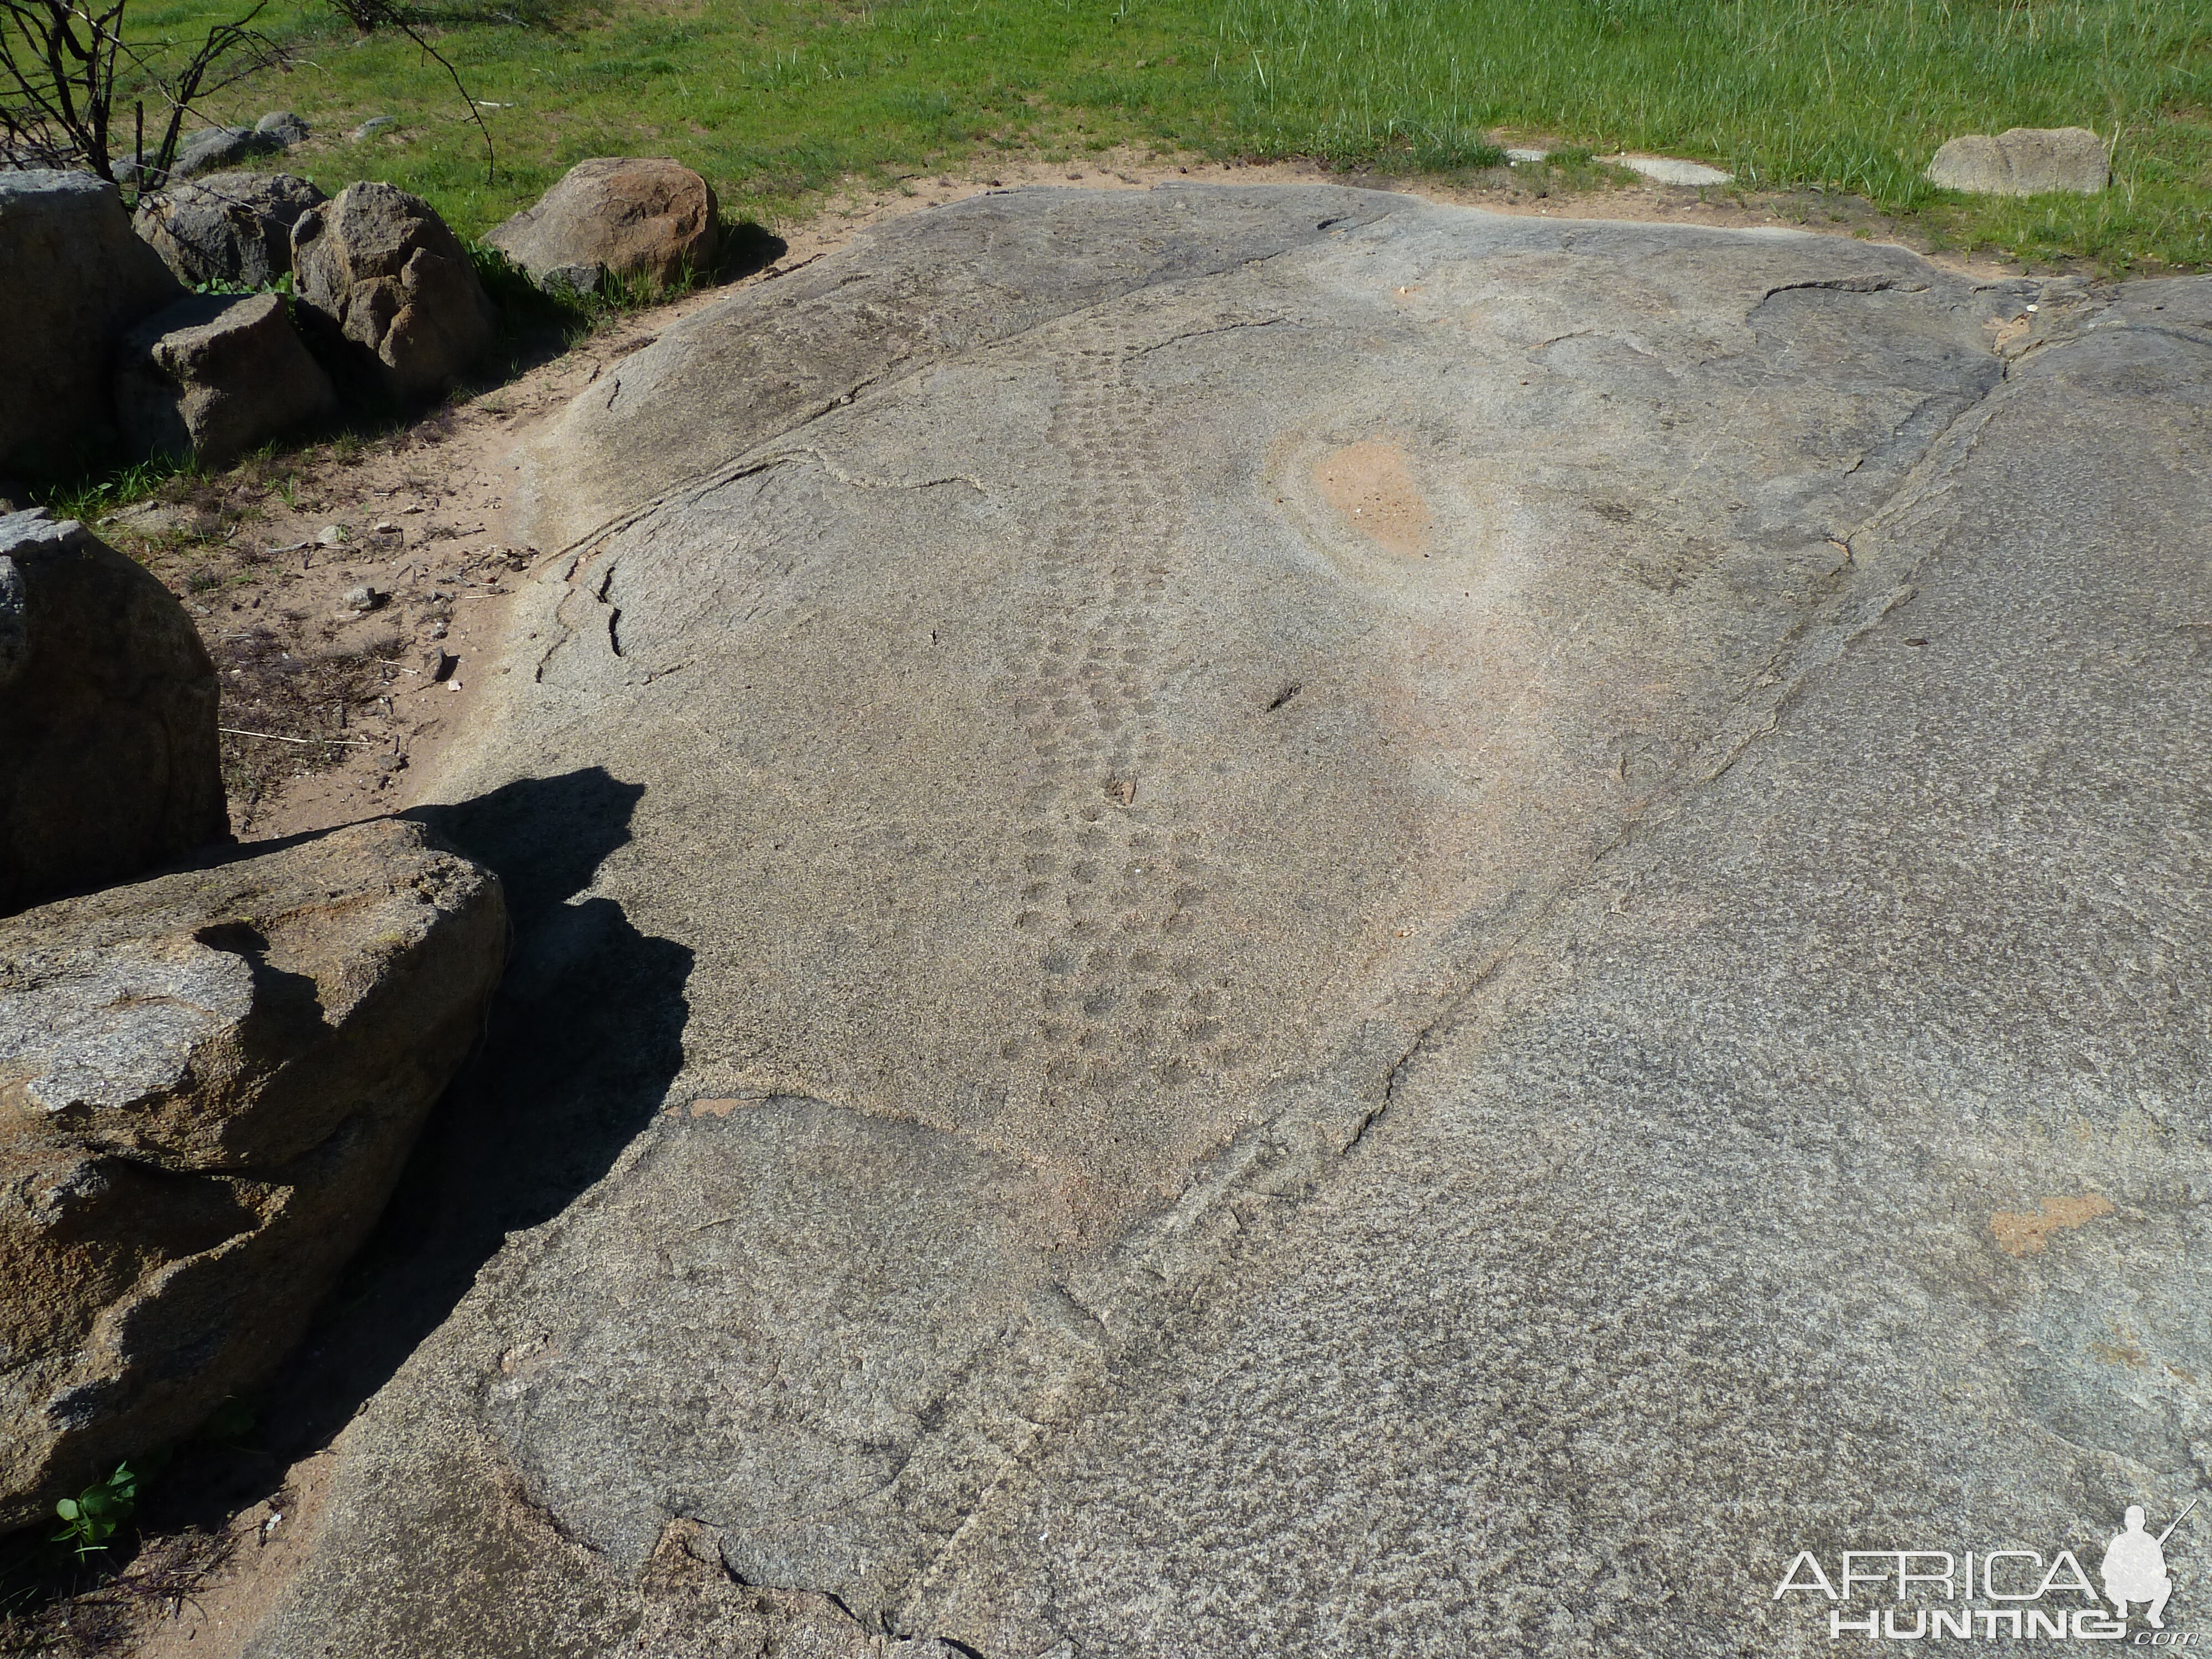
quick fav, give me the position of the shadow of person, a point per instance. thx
(581, 1042)
(584, 1035)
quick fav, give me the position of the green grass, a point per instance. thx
(775, 100)
(1848, 94)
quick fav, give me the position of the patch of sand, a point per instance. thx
(1373, 492)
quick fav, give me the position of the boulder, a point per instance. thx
(286, 128)
(2024, 162)
(615, 215)
(213, 375)
(108, 755)
(214, 148)
(228, 228)
(208, 1083)
(75, 277)
(384, 274)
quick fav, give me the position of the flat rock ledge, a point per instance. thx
(1275, 922)
(208, 1083)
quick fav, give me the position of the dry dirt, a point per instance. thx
(333, 711)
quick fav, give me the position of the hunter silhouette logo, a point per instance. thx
(2135, 1566)
(2020, 1596)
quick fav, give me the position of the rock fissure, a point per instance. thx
(1866, 284)
(866, 481)
(1203, 333)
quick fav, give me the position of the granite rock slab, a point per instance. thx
(1291, 922)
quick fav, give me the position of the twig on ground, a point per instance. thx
(278, 737)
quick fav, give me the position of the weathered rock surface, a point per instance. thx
(1277, 922)
(75, 277)
(215, 374)
(109, 763)
(614, 215)
(228, 228)
(2024, 162)
(391, 281)
(1672, 170)
(208, 1083)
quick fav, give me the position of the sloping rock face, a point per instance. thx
(2023, 161)
(109, 760)
(394, 287)
(75, 277)
(208, 1083)
(618, 215)
(1400, 931)
(215, 374)
(228, 227)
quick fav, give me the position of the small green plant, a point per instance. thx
(89, 1519)
(95, 493)
(282, 285)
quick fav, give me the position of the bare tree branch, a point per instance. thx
(369, 15)
(61, 62)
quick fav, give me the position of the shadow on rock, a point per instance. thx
(584, 1035)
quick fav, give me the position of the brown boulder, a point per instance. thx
(215, 374)
(616, 215)
(208, 1085)
(384, 274)
(108, 755)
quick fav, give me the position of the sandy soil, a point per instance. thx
(332, 695)
(335, 710)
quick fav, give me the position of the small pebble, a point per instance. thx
(364, 597)
(330, 535)
(439, 663)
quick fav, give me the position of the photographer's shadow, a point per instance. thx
(584, 1035)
